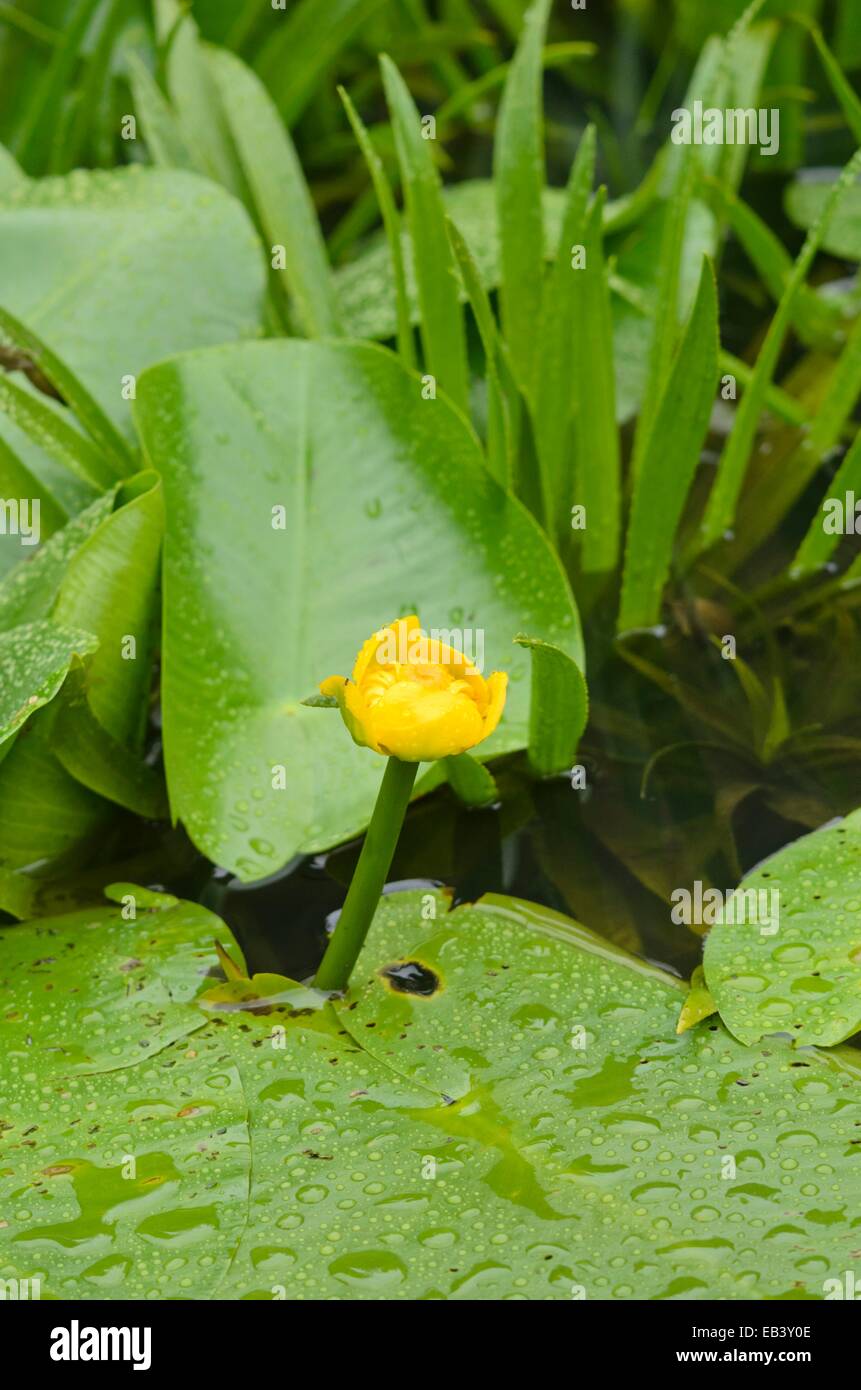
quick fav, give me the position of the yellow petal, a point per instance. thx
(418, 724)
(497, 685)
(395, 633)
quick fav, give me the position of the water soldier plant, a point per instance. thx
(315, 317)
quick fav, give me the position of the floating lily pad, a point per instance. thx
(96, 990)
(128, 1184)
(499, 1108)
(796, 970)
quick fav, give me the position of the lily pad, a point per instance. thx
(796, 967)
(499, 1108)
(103, 988)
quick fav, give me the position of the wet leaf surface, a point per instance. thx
(254, 443)
(500, 1108)
(34, 661)
(796, 970)
(69, 246)
(92, 991)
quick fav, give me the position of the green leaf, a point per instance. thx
(772, 494)
(141, 963)
(17, 482)
(278, 190)
(56, 435)
(365, 286)
(597, 464)
(34, 661)
(518, 168)
(670, 460)
(67, 492)
(29, 591)
(10, 171)
(842, 89)
(667, 309)
(563, 314)
(818, 545)
(89, 414)
(698, 1003)
(88, 752)
(818, 320)
(504, 401)
(44, 813)
(806, 200)
(194, 96)
(18, 894)
(99, 574)
(301, 48)
(43, 112)
(397, 1103)
(159, 126)
(109, 588)
(391, 224)
(795, 968)
(442, 327)
(422, 528)
(470, 781)
(768, 715)
(559, 708)
(117, 270)
(720, 511)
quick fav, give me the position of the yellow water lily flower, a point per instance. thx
(413, 697)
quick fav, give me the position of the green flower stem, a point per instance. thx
(370, 876)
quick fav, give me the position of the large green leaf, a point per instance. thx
(500, 1108)
(117, 270)
(387, 509)
(796, 967)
